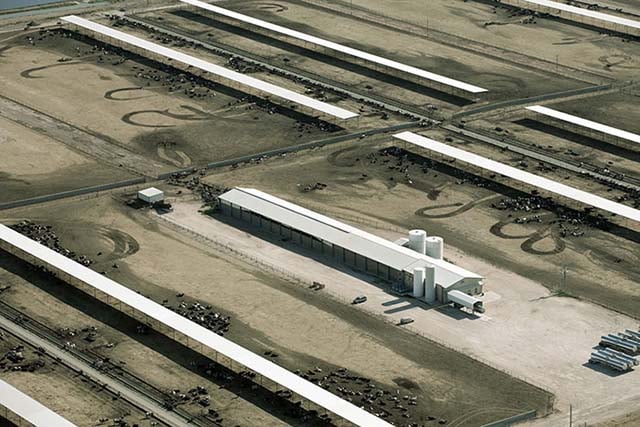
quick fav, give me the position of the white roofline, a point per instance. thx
(520, 175)
(338, 47)
(240, 78)
(29, 409)
(297, 209)
(151, 191)
(585, 123)
(241, 355)
(586, 12)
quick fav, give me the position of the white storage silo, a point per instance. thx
(434, 247)
(418, 282)
(418, 240)
(430, 284)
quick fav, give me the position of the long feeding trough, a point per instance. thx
(375, 62)
(227, 77)
(178, 327)
(22, 409)
(542, 183)
(588, 128)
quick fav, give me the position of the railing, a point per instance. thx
(310, 145)
(70, 193)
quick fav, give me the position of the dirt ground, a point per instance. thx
(575, 147)
(363, 344)
(203, 28)
(33, 164)
(148, 356)
(629, 420)
(130, 105)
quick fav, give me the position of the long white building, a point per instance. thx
(341, 242)
(180, 328)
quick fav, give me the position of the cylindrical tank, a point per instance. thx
(434, 246)
(418, 282)
(418, 240)
(430, 284)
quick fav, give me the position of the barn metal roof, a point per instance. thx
(239, 354)
(150, 192)
(344, 235)
(212, 68)
(586, 12)
(585, 123)
(337, 47)
(520, 175)
(29, 409)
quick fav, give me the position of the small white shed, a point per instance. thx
(151, 195)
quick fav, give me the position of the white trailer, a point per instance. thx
(461, 299)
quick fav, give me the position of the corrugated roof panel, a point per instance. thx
(338, 47)
(213, 68)
(520, 175)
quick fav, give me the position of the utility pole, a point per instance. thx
(570, 415)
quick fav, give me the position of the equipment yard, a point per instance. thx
(305, 213)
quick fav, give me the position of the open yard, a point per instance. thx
(161, 263)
